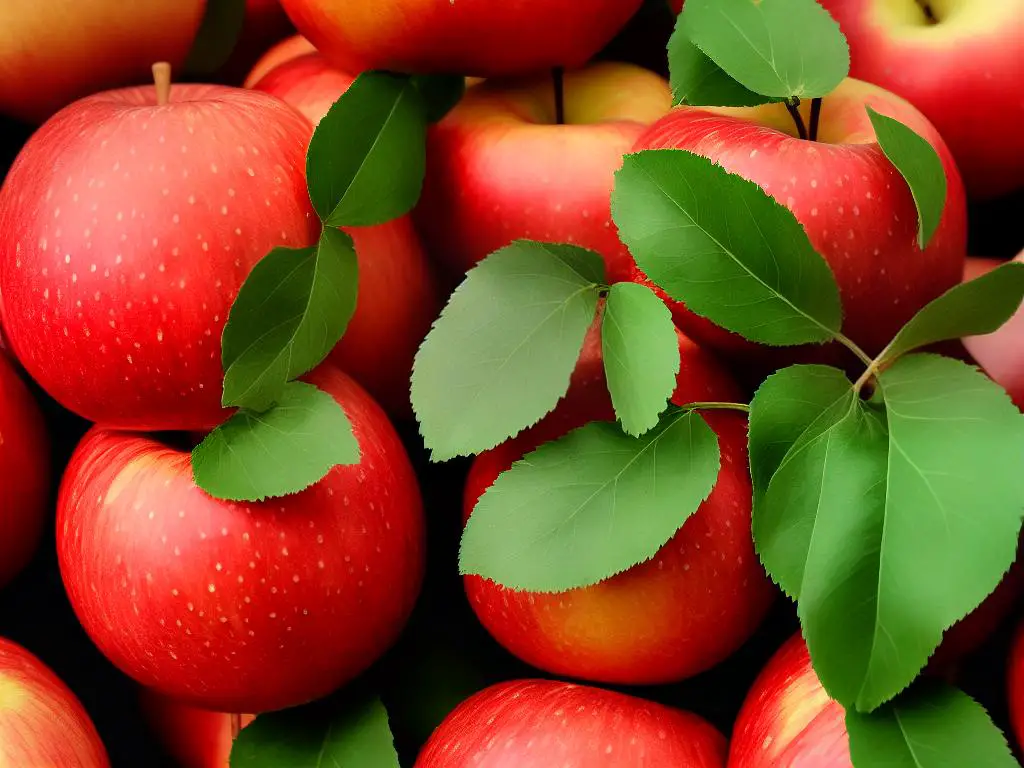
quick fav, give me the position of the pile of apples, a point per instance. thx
(134, 213)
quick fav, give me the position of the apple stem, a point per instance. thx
(815, 118)
(928, 12)
(162, 80)
(558, 78)
(236, 725)
(793, 107)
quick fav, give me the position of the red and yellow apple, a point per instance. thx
(684, 610)
(547, 723)
(960, 63)
(42, 723)
(126, 230)
(398, 294)
(242, 607)
(500, 168)
(194, 737)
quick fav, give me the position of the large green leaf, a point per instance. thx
(500, 355)
(440, 93)
(590, 505)
(718, 243)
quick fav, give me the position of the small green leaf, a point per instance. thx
(779, 48)
(718, 243)
(591, 504)
(290, 312)
(358, 734)
(500, 355)
(919, 164)
(931, 726)
(440, 93)
(217, 37)
(641, 355)
(698, 81)
(973, 308)
(366, 160)
(255, 456)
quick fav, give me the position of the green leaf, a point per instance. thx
(366, 160)
(973, 308)
(500, 355)
(217, 36)
(255, 456)
(720, 244)
(591, 504)
(919, 164)
(698, 81)
(641, 355)
(932, 726)
(290, 312)
(440, 93)
(779, 48)
(358, 734)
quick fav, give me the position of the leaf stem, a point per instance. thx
(815, 118)
(558, 79)
(851, 345)
(717, 406)
(793, 107)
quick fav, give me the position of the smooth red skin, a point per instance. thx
(499, 169)
(286, 50)
(111, 303)
(43, 724)
(1016, 686)
(967, 84)
(788, 720)
(1001, 354)
(262, 625)
(24, 473)
(669, 618)
(544, 724)
(398, 294)
(477, 38)
(196, 738)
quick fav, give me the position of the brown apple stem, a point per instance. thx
(793, 107)
(558, 78)
(162, 80)
(236, 725)
(815, 118)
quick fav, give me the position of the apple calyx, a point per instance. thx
(162, 81)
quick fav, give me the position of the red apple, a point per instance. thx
(959, 62)
(195, 738)
(126, 230)
(681, 612)
(41, 722)
(489, 39)
(24, 473)
(854, 205)
(286, 50)
(242, 607)
(1016, 685)
(551, 724)
(499, 168)
(398, 294)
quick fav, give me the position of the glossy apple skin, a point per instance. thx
(196, 738)
(857, 210)
(477, 38)
(398, 293)
(500, 169)
(545, 723)
(669, 618)
(53, 53)
(1016, 685)
(286, 50)
(787, 719)
(24, 473)
(42, 723)
(962, 72)
(126, 230)
(242, 607)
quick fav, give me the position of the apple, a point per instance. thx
(500, 168)
(1016, 685)
(686, 609)
(195, 738)
(857, 210)
(54, 53)
(959, 62)
(547, 723)
(41, 721)
(24, 473)
(467, 38)
(242, 607)
(286, 50)
(398, 293)
(127, 226)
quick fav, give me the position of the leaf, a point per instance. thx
(290, 312)
(358, 734)
(592, 504)
(641, 355)
(440, 93)
(217, 36)
(500, 355)
(973, 308)
(366, 160)
(932, 726)
(780, 48)
(919, 164)
(255, 456)
(720, 244)
(698, 81)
